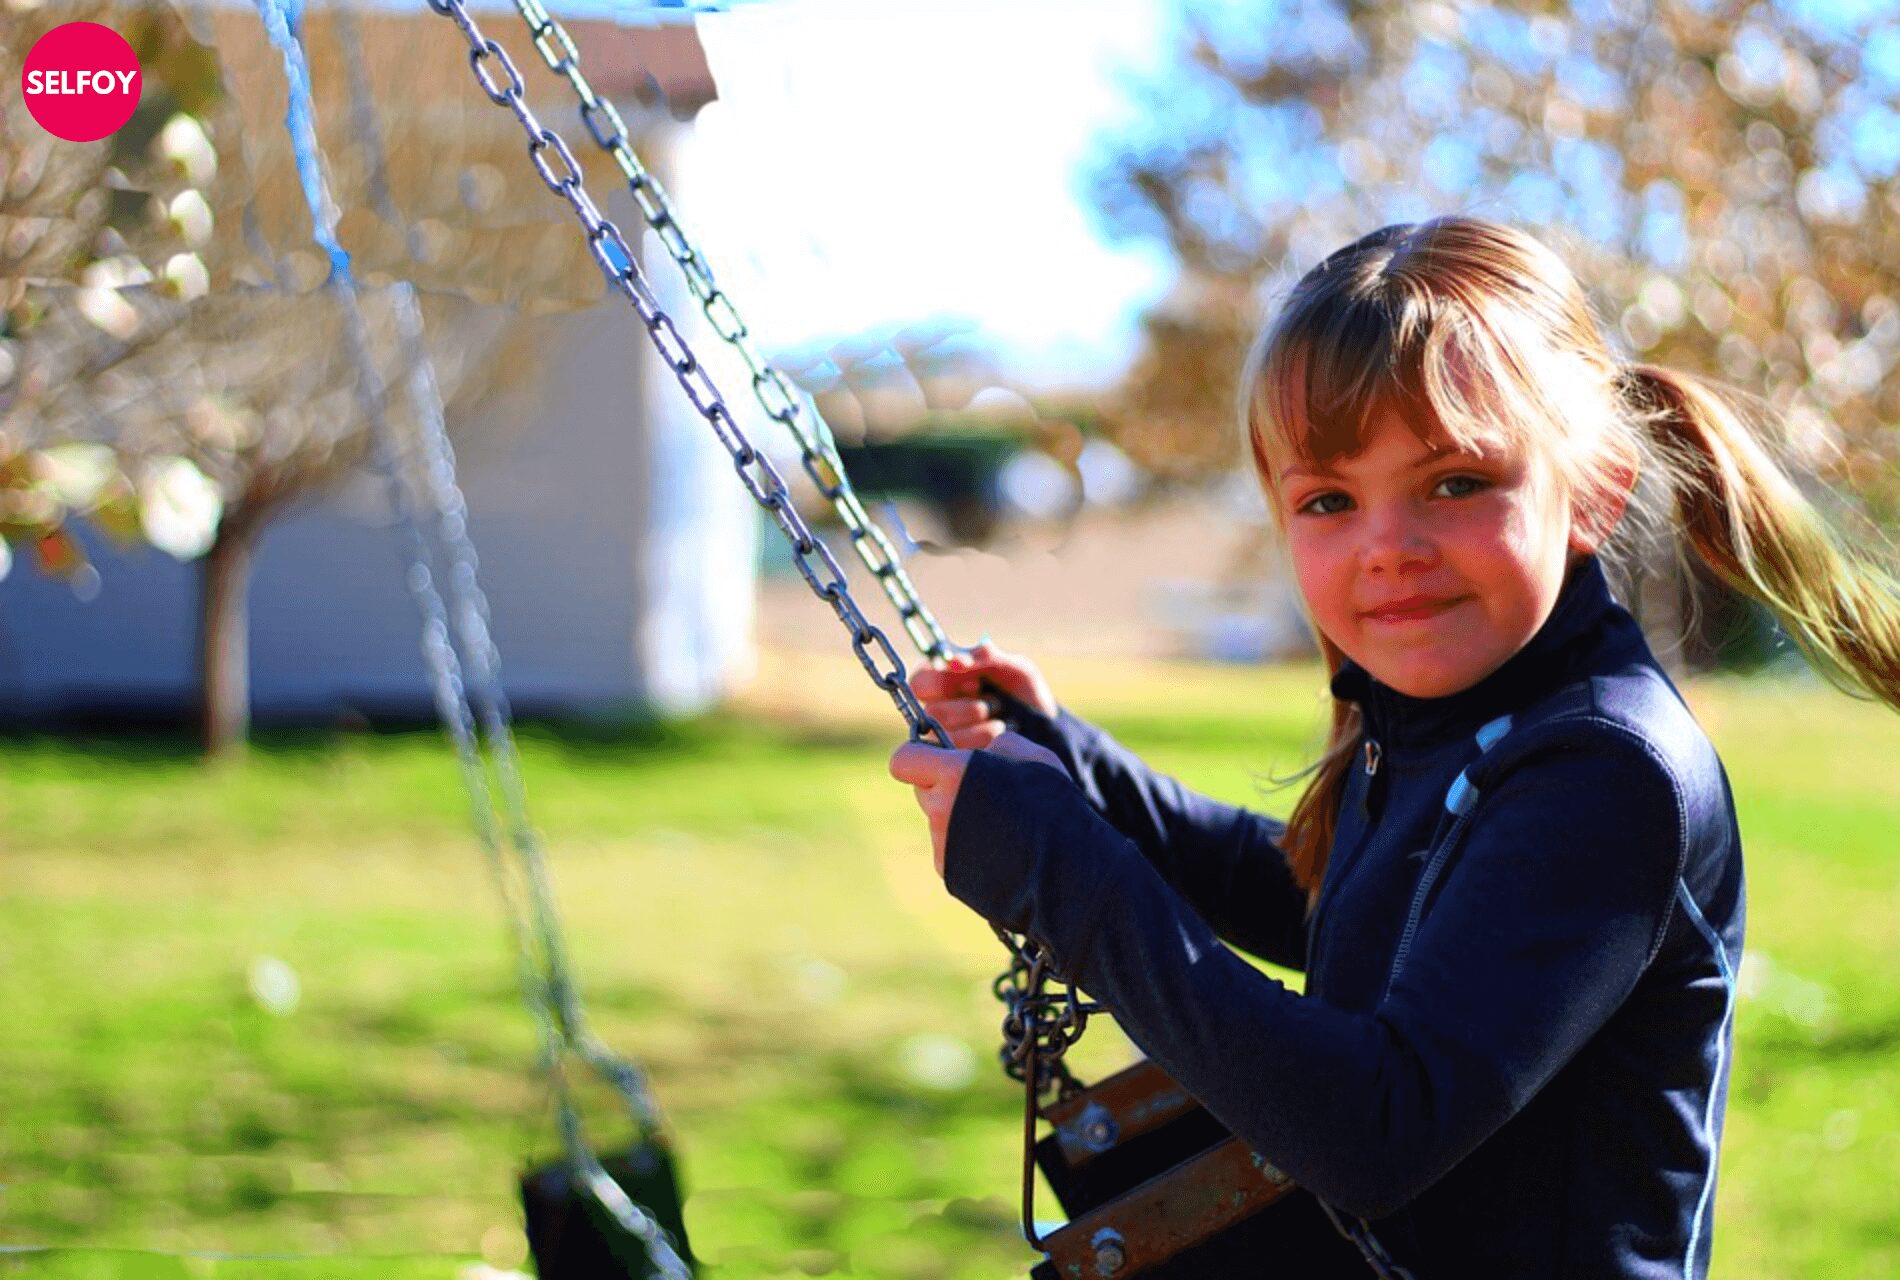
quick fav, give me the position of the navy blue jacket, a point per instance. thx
(1511, 1058)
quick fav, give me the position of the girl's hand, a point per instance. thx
(954, 692)
(937, 774)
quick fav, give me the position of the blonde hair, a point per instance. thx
(1476, 332)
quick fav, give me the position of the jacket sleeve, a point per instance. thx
(1225, 860)
(1539, 931)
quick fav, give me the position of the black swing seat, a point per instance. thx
(1156, 1187)
(572, 1237)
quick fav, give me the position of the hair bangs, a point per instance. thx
(1324, 379)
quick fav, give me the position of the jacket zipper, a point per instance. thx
(1371, 759)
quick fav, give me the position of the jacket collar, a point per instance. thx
(1579, 624)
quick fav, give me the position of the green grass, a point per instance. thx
(752, 908)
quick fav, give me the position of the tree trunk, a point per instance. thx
(225, 651)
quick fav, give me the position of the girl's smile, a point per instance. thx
(1427, 564)
(1413, 609)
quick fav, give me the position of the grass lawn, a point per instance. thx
(260, 1021)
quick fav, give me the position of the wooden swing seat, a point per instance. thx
(1156, 1187)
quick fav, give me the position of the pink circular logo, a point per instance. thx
(81, 81)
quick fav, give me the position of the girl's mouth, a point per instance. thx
(1413, 609)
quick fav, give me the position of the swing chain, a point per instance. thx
(1038, 1025)
(1038, 1029)
(550, 992)
(442, 496)
(813, 559)
(549, 982)
(817, 453)
(1057, 1020)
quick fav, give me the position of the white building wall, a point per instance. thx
(558, 507)
(617, 550)
(129, 649)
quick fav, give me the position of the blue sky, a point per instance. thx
(872, 163)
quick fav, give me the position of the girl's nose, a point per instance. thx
(1394, 541)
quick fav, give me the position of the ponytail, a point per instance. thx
(1748, 523)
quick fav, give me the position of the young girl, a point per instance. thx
(1514, 881)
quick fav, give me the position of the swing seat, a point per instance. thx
(1112, 1136)
(1156, 1187)
(572, 1237)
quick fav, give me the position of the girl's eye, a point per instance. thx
(1461, 486)
(1330, 503)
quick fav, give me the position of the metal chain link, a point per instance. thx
(1038, 1026)
(773, 391)
(1026, 1006)
(761, 479)
(469, 612)
(1358, 1232)
(441, 496)
(440, 658)
(548, 987)
(1033, 1025)
(1037, 1031)
(1030, 1013)
(558, 996)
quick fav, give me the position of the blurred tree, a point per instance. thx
(1722, 175)
(79, 216)
(244, 404)
(169, 370)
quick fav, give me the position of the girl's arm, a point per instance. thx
(1539, 932)
(1225, 860)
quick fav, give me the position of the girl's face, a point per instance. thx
(1428, 566)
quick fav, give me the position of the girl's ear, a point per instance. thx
(1595, 513)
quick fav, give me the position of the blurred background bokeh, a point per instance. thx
(258, 1007)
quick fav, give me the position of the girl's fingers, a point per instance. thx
(978, 736)
(922, 765)
(933, 683)
(986, 667)
(938, 775)
(960, 713)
